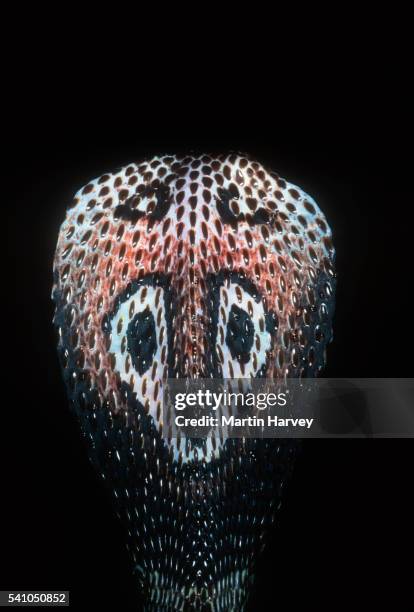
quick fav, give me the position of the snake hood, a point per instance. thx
(189, 267)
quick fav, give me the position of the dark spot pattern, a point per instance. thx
(239, 337)
(142, 341)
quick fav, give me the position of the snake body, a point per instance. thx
(189, 267)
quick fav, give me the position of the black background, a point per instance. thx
(344, 531)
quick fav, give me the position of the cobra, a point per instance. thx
(189, 267)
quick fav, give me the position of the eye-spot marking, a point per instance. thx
(240, 334)
(137, 329)
(142, 340)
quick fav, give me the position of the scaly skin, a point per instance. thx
(151, 264)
